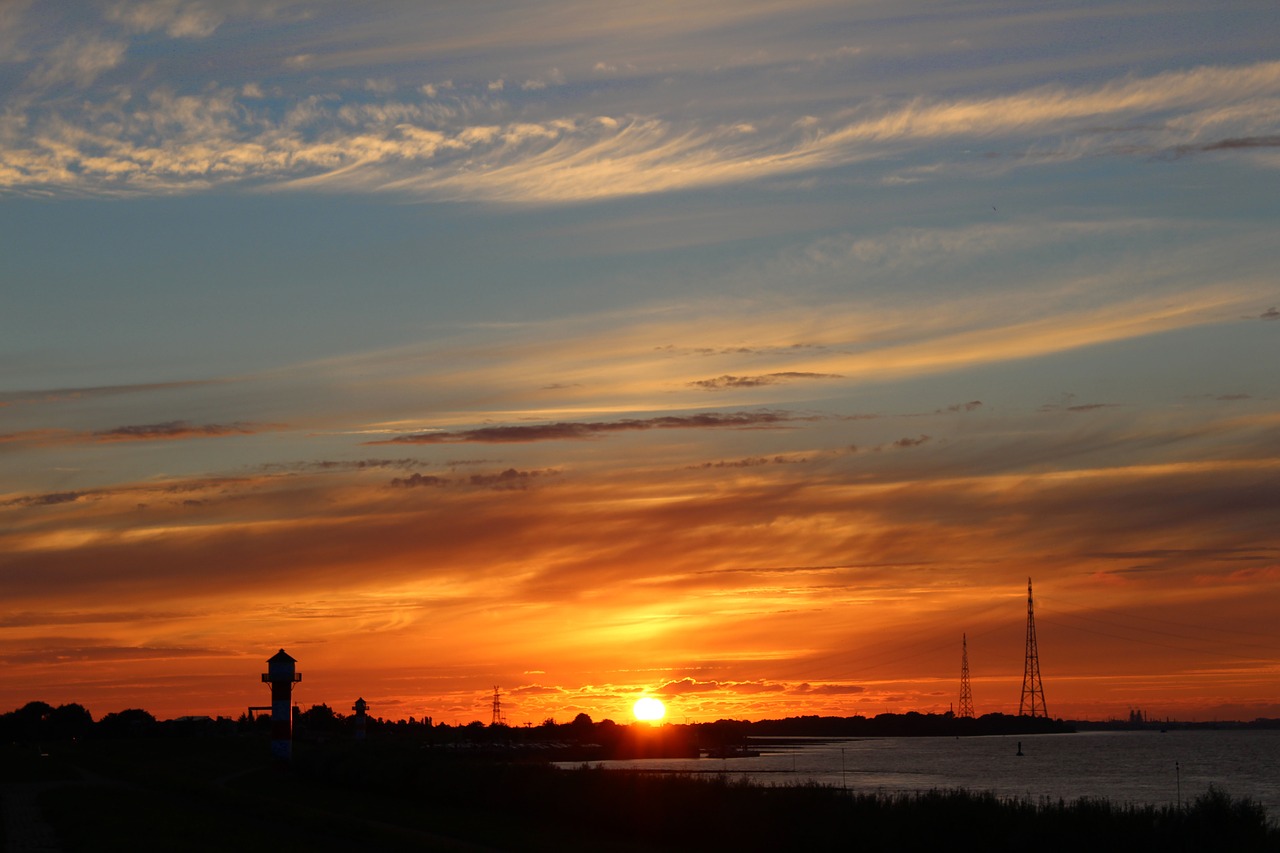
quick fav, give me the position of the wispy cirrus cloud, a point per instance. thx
(38, 437)
(28, 619)
(177, 18)
(165, 141)
(14, 39)
(58, 395)
(79, 60)
(70, 649)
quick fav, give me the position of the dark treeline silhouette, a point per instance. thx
(910, 724)
(39, 721)
(580, 738)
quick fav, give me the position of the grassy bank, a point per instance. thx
(220, 794)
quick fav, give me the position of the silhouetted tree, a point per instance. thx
(320, 719)
(28, 723)
(69, 722)
(607, 732)
(582, 727)
(131, 722)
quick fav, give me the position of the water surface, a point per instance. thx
(1146, 767)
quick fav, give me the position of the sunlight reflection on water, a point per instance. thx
(1146, 767)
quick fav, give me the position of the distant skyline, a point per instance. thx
(746, 355)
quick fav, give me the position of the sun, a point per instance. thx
(649, 710)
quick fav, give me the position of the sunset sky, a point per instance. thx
(743, 354)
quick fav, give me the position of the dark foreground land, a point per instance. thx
(219, 794)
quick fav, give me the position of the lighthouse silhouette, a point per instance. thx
(281, 676)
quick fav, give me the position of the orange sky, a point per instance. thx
(828, 581)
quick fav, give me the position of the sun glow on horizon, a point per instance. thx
(649, 710)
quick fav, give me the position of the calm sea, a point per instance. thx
(1147, 767)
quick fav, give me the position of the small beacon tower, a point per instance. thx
(281, 676)
(360, 707)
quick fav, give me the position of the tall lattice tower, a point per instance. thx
(1032, 704)
(498, 719)
(966, 692)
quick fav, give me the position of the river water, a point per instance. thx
(1139, 767)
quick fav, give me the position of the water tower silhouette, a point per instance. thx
(360, 707)
(281, 676)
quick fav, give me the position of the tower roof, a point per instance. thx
(281, 657)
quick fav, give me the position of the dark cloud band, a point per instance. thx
(576, 431)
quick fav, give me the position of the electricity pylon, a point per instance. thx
(966, 692)
(1032, 704)
(498, 718)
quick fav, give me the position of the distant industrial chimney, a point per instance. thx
(281, 676)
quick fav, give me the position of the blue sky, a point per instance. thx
(728, 340)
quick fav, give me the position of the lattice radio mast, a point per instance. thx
(1032, 704)
(966, 692)
(498, 719)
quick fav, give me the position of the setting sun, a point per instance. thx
(649, 710)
